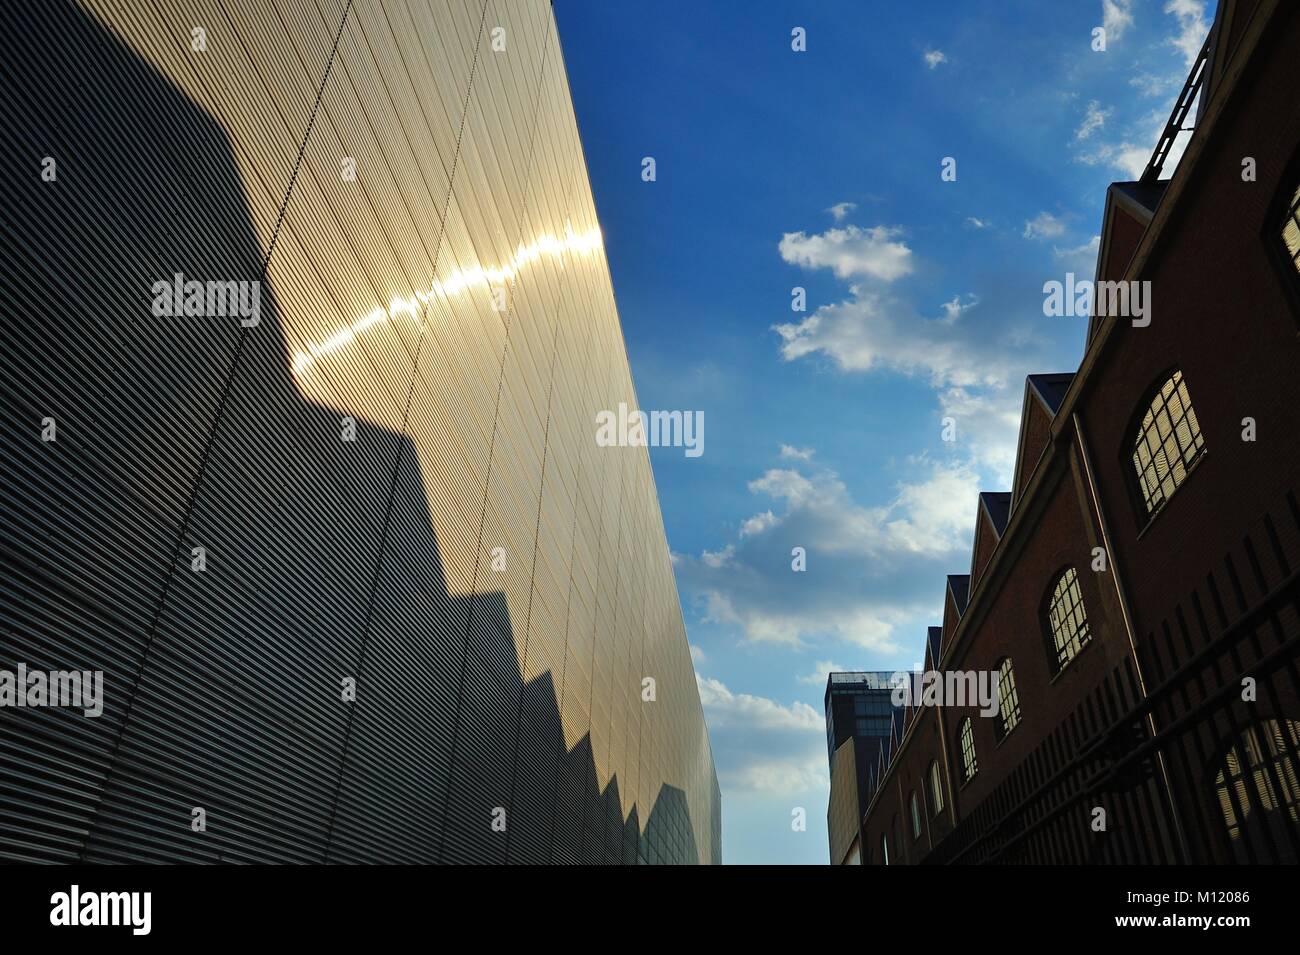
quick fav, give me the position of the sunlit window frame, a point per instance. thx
(969, 761)
(1167, 445)
(1066, 645)
(1269, 764)
(1290, 231)
(1008, 698)
(936, 788)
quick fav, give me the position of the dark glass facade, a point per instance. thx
(361, 584)
(858, 705)
(860, 716)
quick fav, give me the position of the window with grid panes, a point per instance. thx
(1008, 698)
(936, 788)
(1067, 620)
(1259, 774)
(1168, 442)
(969, 766)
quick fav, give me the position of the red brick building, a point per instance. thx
(1136, 589)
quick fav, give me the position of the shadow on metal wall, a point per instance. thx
(223, 687)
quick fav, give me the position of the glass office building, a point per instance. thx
(859, 705)
(308, 322)
(860, 716)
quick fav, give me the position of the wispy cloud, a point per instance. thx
(1192, 28)
(869, 568)
(1148, 84)
(1129, 148)
(988, 426)
(1044, 226)
(791, 453)
(975, 362)
(757, 524)
(1081, 259)
(821, 670)
(1116, 17)
(841, 210)
(935, 57)
(976, 223)
(952, 309)
(1094, 118)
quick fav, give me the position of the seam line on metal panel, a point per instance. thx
(487, 479)
(203, 458)
(397, 465)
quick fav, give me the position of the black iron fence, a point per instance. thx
(1202, 768)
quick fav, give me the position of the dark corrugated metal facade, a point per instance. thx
(497, 585)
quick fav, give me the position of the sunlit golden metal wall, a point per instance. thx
(392, 473)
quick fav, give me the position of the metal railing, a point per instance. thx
(1218, 781)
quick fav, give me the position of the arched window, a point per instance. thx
(1067, 621)
(884, 849)
(1008, 699)
(966, 734)
(1167, 443)
(1258, 774)
(936, 788)
(1291, 229)
(916, 816)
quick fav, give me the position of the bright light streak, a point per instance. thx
(582, 244)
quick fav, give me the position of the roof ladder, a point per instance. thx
(1195, 80)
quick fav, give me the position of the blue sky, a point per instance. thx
(823, 428)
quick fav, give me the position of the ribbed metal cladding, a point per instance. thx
(497, 584)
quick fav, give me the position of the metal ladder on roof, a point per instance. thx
(1192, 87)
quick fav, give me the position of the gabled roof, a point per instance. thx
(959, 587)
(1050, 389)
(933, 644)
(997, 504)
(1140, 199)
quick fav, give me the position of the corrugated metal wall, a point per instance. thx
(497, 584)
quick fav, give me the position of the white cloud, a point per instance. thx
(1116, 17)
(1044, 226)
(977, 223)
(1127, 157)
(1130, 150)
(988, 428)
(790, 452)
(870, 568)
(761, 745)
(1082, 259)
(1149, 84)
(1093, 119)
(875, 568)
(756, 711)
(1192, 28)
(850, 251)
(717, 558)
(821, 670)
(1131, 154)
(934, 57)
(872, 331)
(757, 524)
(784, 484)
(953, 309)
(841, 209)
